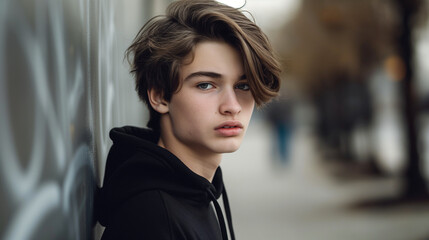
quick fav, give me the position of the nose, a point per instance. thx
(229, 103)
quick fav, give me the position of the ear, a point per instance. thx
(157, 101)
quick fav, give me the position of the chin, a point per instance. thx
(230, 148)
(230, 151)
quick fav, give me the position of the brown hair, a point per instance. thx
(163, 42)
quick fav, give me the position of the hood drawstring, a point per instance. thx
(228, 213)
(220, 214)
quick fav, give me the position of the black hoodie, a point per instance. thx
(148, 193)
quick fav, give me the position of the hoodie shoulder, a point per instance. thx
(141, 217)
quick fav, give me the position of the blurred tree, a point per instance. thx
(330, 40)
(415, 184)
(331, 48)
(333, 44)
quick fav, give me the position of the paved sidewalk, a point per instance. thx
(303, 202)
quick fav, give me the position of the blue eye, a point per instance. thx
(205, 86)
(243, 86)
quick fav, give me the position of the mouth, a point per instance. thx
(229, 125)
(229, 129)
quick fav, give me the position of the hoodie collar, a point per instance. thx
(136, 164)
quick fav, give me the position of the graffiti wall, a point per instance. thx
(63, 84)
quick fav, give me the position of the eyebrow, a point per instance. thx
(208, 74)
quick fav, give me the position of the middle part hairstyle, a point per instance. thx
(160, 47)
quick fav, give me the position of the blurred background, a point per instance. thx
(342, 153)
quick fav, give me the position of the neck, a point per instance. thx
(200, 163)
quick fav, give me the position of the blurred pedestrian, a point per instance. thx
(279, 116)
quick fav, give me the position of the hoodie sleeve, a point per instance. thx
(142, 217)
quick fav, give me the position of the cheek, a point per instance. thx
(189, 113)
(251, 105)
(247, 109)
(248, 104)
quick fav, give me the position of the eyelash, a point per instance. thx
(240, 86)
(199, 85)
(246, 88)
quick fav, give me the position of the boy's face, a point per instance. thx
(211, 111)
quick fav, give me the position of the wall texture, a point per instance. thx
(63, 84)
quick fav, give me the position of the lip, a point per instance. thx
(236, 124)
(235, 128)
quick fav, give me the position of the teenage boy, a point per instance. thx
(200, 69)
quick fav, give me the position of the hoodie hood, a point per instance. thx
(136, 164)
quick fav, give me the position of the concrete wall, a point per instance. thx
(63, 84)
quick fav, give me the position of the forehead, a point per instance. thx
(213, 56)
